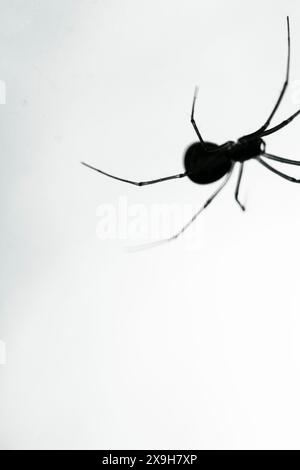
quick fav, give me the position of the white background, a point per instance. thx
(177, 346)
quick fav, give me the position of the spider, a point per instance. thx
(206, 162)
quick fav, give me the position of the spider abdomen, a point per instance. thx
(204, 167)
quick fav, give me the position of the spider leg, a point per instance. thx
(165, 240)
(279, 173)
(281, 125)
(280, 159)
(136, 183)
(209, 200)
(193, 120)
(282, 92)
(236, 194)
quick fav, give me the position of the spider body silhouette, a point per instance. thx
(207, 162)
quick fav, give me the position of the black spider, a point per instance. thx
(206, 162)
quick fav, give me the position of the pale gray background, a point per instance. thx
(170, 347)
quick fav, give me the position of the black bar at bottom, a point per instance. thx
(138, 458)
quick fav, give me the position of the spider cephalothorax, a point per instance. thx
(245, 149)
